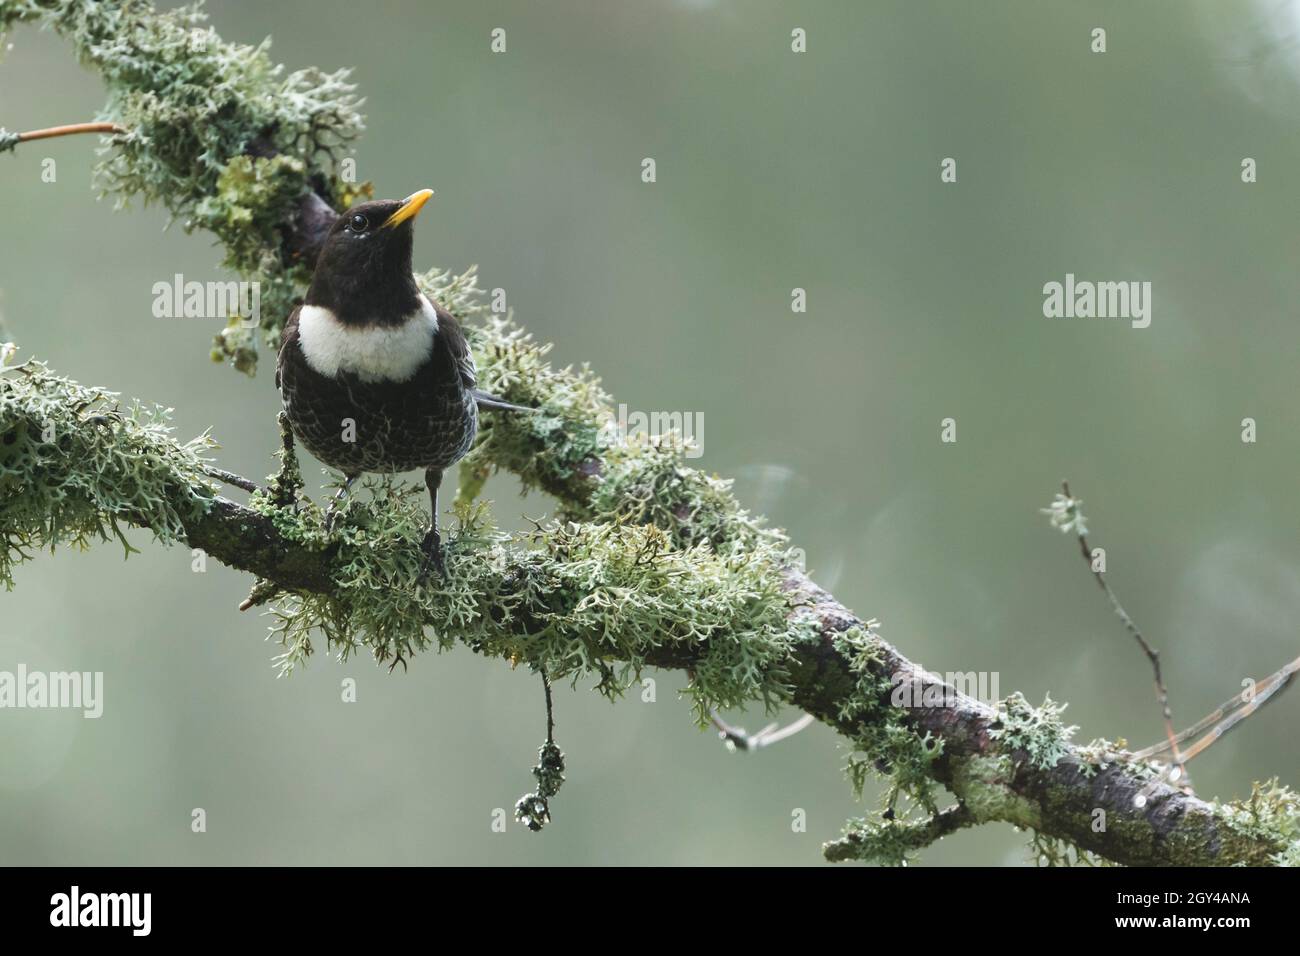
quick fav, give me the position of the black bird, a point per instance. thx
(374, 376)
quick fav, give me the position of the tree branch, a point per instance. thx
(655, 564)
(520, 602)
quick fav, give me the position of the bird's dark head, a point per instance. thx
(363, 274)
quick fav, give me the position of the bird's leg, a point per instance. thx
(432, 546)
(285, 484)
(339, 495)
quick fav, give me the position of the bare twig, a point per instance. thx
(230, 478)
(737, 739)
(1227, 715)
(1162, 693)
(70, 130)
(1067, 514)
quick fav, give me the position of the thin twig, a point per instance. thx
(262, 591)
(1227, 715)
(1162, 694)
(772, 733)
(738, 739)
(70, 130)
(230, 478)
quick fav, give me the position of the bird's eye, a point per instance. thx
(359, 223)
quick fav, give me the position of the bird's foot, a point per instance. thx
(336, 503)
(432, 548)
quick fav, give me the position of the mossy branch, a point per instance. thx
(603, 598)
(652, 563)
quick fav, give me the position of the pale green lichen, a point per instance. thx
(216, 132)
(883, 741)
(981, 782)
(1066, 515)
(252, 199)
(75, 466)
(887, 841)
(1272, 813)
(1038, 731)
(571, 448)
(1046, 851)
(1099, 754)
(192, 102)
(549, 448)
(581, 600)
(646, 482)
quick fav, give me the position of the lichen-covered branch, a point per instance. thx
(604, 598)
(651, 563)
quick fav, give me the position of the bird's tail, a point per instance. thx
(485, 400)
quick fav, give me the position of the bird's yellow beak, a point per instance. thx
(409, 208)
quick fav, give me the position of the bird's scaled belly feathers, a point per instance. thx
(359, 426)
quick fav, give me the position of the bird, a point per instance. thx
(374, 376)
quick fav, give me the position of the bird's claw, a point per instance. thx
(432, 548)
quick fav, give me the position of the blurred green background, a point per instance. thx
(775, 170)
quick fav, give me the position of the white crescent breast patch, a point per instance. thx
(372, 353)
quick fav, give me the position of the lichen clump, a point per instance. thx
(216, 132)
(557, 448)
(578, 600)
(75, 467)
(883, 741)
(1271, 812)
(533, 810)
(1038, 731)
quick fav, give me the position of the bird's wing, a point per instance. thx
(455, 353)
(288, 336)
(451, 348)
